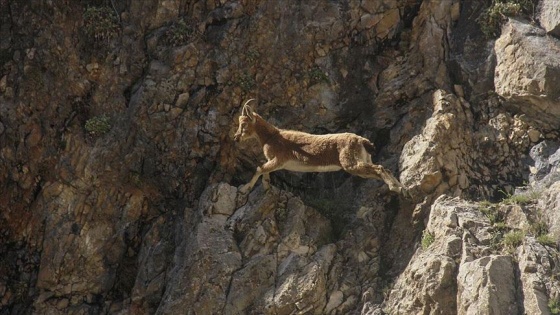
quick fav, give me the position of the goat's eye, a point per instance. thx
(243, 125)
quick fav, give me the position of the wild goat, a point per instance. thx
(304, 152)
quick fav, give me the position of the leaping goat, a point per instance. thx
(303, 152)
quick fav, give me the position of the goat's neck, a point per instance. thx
(265, 131)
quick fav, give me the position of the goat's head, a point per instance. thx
(247, 120)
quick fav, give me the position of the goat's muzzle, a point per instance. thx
(237, 137)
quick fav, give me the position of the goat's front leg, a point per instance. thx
(265, 169)
(266, 181)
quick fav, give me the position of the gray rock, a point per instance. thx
(536, 265)
(268, 257)
(549, 202)
(548, 14)
(546, 156)
(218, 199)
(487, 286)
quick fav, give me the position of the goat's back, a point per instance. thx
(369, 146)
(320, 150)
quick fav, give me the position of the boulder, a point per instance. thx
(536, 266)
(549, 201)
(527, 73)
(487, 286)
(428, 285)
(438, 152)
(548, 14)
(268, 256)
(546, 157)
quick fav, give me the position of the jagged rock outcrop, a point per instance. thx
(272, 255)
(527, 73)
(548, 14)
(118, 173)
(425, 163)
(466, 266)
(487, 285)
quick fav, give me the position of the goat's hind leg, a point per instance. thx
(367, 170)
(389, 179)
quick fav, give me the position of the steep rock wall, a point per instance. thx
(139, 212)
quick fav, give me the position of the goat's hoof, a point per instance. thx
(411, 195)
(406, 194)
(244, 190)
(396, 190)
(269, 191)
(241, 199)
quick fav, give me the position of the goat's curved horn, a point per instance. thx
(252, 99)
(244, 110)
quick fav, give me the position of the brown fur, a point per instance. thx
(300, 151)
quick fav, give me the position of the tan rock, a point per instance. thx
(526, 72)
(534, 135)
(536, 277)
(436, 153)
(487, 286)
(548, 14)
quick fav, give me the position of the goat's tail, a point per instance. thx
(370, 147)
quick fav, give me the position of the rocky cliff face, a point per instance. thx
(119, 176)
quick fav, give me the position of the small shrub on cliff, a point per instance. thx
(538, 227)
(427, 239)
(525, 195)
(554, 306)
(546, 240)
(246, 82)
(178, 34)
(492, 212)
(101, 23)
(512, 239)
(252, 56)
(316, 75)
(98, 125)
(518, 200)
(496, 14)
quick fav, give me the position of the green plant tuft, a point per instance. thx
(525, 197)
(517, 200)
(178, 34)
(98, 125)
(246, 82)
(538, 228)
(252, 56)
(316, 75)
(491, 20)
(427, 239)
(514, 238)
(546, 240)
(554, 306)
(101, 23)
(490, 210)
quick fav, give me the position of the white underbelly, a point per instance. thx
(296, 166)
